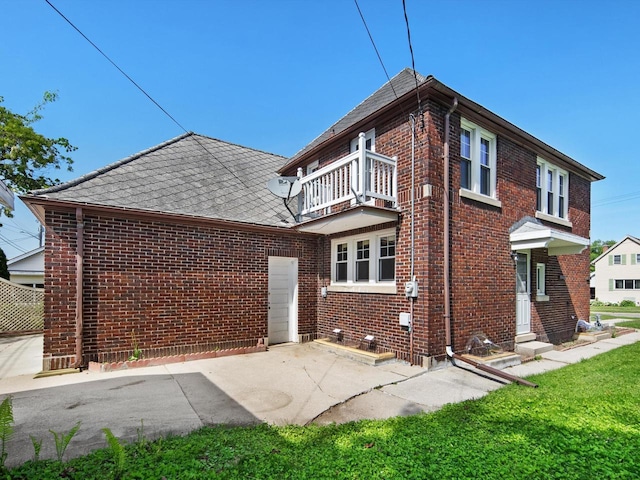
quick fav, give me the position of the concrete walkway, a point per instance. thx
(289, 384)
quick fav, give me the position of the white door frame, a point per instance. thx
(275, 292)
(523, 292)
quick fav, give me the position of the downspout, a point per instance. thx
(412, 299)
(79, 281)
(447, 280)
(447, 232)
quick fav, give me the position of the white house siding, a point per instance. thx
(607, 272)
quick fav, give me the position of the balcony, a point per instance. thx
(358, 180)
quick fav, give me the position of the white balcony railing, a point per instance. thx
(361, 176)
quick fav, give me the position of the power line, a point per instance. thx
(374, 47)
(144, 92)
(617, 199)
(413, 63)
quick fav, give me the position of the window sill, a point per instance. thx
(542, 298)
(480, 198)
(551, 218)
(389, 289)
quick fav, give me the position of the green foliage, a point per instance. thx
(597, 248)
(4, 269)
(25, 155)
(582, 422)
(62, 440)
(6, 428)
(118, 453)
(627, 303)
(37, 446)
(137, 352)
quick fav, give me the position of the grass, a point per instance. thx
(582, 422)
(595, 309)
(635, 323)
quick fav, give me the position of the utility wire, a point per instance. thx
(195, 137)
(375, 48)
(617, 199)
(413, 62)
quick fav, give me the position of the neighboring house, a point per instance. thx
(423, 219)
(28, 269)
(617, 272)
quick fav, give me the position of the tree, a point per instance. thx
(25, 155)
(4, 269)
(597, 247)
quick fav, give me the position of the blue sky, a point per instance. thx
(272, 75)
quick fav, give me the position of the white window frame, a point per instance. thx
(477, 134)
(369, 135)
(312, 167)
(618, 258)
(541, 281)
(553, 180)
(624, 284)
(373, 285)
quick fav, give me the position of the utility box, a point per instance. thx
(411, 289)
(405, 319)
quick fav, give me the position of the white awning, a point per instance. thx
(533, 235)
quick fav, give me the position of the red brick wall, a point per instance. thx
(482, 271)
(179, 288)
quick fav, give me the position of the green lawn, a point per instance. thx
(583, 422)
(597, 309)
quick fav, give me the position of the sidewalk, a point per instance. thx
(289, 384)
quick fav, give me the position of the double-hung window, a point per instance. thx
(552, 190)
(477, 160)
(364, 260)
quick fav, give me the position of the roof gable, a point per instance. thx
(403, 82)
(190, 175)
(628, 238)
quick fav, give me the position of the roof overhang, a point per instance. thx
(533, 235)
(361, 216)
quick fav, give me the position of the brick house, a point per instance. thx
(422, 219)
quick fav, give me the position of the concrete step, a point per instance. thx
(531, 349)
(363, 356)
(592, 336)
(526, 337)
(498, 361)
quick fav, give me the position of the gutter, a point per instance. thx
(447, 280)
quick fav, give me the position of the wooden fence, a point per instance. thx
(21, 308)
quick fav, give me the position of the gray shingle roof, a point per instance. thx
(403, 82)
(190, 175)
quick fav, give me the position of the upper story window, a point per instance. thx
(312, 167)
(477, 159)
(370, 141)
(617, 259)
(364, 259)
(552, 190)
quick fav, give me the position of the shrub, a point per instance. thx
(627, 303)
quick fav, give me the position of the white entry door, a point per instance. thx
(283, 300)
(523, 291)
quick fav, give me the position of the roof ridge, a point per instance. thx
(241, 146)
(107, 168)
